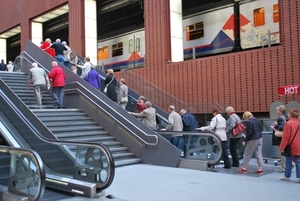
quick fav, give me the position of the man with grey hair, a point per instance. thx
(59, 50)
(67, 54)
(189, 124)
(174, 124)
(148, 115)
(38, 77)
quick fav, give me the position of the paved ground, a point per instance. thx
(156, 183)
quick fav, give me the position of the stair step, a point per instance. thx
(69, 123)
(75, 128)
(71, 118)
(122, 155)
(99, 133)
(121, 162)
(117, 149)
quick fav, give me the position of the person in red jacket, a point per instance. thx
(291, 130)
(46, 47)
(58, 77)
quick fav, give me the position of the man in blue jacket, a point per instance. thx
(189, 124)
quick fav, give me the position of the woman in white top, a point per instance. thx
(218, 126)
(86, 67)
(10, 66)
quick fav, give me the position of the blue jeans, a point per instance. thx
(60, 58)
(58, 95)
(176, 141)
(67, 64)
(288, 166)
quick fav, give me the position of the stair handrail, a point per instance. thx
(5, 91)
(112, 116)
(39, 171)
(94, 94)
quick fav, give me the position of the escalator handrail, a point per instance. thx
(112, 116)
(111, 108)
(200, 133)
(40, 166)
(9, 96)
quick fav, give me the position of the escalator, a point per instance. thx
(22, 175)
(76, 168)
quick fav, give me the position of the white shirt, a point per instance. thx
(218, 125)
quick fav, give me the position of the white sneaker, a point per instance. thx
(285, 179)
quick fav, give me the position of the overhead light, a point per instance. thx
(11, 32)
(52, 14)
(112, 5)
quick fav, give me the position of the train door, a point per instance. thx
(135, 51)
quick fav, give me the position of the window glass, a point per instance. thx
(130, 46)
(137, 44)
(117, 49)
(103, 53)
(259, 16)
(195, 31)
(275, 13)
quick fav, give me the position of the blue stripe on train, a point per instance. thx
(221, 41)
(124, 64)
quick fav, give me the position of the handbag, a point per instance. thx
(278, 133)
(287, 149)
(238, 129)
(105, 88)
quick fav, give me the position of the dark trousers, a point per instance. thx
(225, 155)
(233, 151)
(58, 95)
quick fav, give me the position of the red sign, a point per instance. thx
(289, 90)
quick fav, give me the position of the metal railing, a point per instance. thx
(26, 175)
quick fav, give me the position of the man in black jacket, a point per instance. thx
(3, 66)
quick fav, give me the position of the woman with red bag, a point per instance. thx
(232, 121)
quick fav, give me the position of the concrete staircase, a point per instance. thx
(68, 123)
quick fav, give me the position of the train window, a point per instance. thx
(137, 44)
(117, 49)
(195, 31)
(275, 13)
(259, 16)
(103, 53)
(131, 46)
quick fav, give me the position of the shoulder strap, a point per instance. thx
(111, 80)
(295, 135)
(283, 118)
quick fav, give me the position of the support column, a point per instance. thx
(176, 30)
(3, 49)
(90, 20)
(36, 33)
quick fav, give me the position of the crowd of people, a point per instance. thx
(6, 67)
(251, 137)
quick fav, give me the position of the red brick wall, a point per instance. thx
(246, 80)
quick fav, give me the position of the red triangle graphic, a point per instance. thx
(134, 56)
(243, 20)
(229, 24)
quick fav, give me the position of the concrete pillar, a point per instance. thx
(3, 49)
(176, 30)
(36, 33)
(90, 20)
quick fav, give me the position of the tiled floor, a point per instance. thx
(156, 183)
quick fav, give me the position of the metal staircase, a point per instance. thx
(68, 123)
